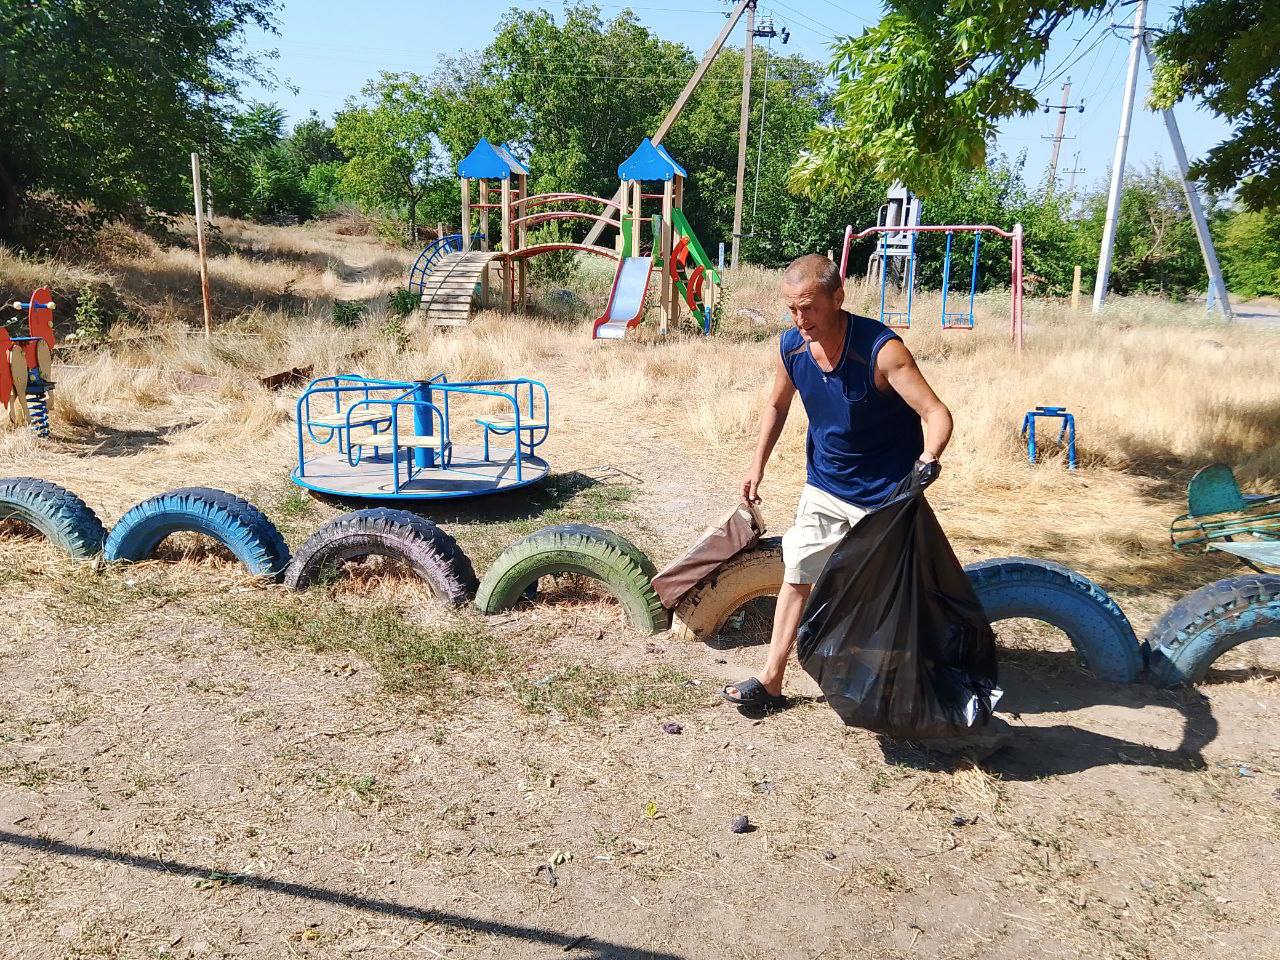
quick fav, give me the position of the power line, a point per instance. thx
(848, 12)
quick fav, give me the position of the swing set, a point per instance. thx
(899, 242)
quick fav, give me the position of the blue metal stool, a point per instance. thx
(1068, 430)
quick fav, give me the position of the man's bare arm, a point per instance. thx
(899, 369)
(772, 419)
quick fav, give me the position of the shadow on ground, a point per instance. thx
(523, 503)
(1036, 682)
(582, 946)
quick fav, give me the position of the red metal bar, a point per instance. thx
(936, 228)
(530, 219)
(526, 252)
(844, 252)
(538, 199)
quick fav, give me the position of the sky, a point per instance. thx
(329, 48)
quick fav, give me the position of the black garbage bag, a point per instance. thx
(893, 632)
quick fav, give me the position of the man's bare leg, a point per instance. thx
(786, 621)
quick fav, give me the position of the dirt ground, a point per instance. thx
(193, 765)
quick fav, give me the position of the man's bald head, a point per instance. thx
(813, 270)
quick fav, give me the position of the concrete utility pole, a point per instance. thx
(1075, 168)
(1216, 283)
(1057, 138)
(744, 121)
(1117, 164)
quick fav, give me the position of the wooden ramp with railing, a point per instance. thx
(449, 290)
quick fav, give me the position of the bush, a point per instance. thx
(1250, 251)
(90, 318)
(402, 302)
(348, 313)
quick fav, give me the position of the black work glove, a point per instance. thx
(926, 473)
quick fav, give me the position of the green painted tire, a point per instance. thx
(583, 550)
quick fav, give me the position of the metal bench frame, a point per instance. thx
(1218, 513)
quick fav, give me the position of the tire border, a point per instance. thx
(581, 549)
(230, 520)
(1207, 622)
(1119, 658)
(400, 526)
(55, 513)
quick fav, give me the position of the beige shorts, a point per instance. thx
(821, 523)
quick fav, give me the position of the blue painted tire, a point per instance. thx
(55, 512)
(1208, 622)
(235, 523)
(1053, 594)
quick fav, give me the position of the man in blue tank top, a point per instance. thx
(872, 419)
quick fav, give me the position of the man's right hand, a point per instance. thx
(751, 485)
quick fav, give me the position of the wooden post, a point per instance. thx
(522, 240)
(466, 214)
(508, 264)
(439, 230)
(668, 299)
(204, 263)
(484, 219)
(1075, 289)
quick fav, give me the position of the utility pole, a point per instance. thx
(678, 107)
(1075, 168)
(744, 120)
(1117, 164)
(1057, 138)
(1216, 283)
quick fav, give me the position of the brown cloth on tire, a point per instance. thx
(741, 528)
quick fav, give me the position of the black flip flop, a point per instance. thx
(751, 693)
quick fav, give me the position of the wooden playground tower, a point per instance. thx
(494, 181)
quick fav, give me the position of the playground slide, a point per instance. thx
(626, 300)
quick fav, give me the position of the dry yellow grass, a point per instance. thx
(1156, 389)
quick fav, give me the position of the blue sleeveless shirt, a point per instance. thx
(862, 441)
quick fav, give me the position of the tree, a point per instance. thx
(1227, 54)
(388, 140)
(1156, 248)
(1249, 245)
(102, 101)
(575, 97)
(312, 142)
(920, 94)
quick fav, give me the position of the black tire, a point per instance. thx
(751, 575)
(1208, 622)
(396, 534)
(574, 548)
(56, 513)
(235, 523)
(1046, 591)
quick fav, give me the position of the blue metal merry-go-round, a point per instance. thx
(367, 438)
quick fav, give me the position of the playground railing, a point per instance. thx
(335, 386)
(433, 415)
(433, 253)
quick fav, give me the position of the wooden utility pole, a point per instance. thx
(204, 263)
(681, 101)
(744, 119)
